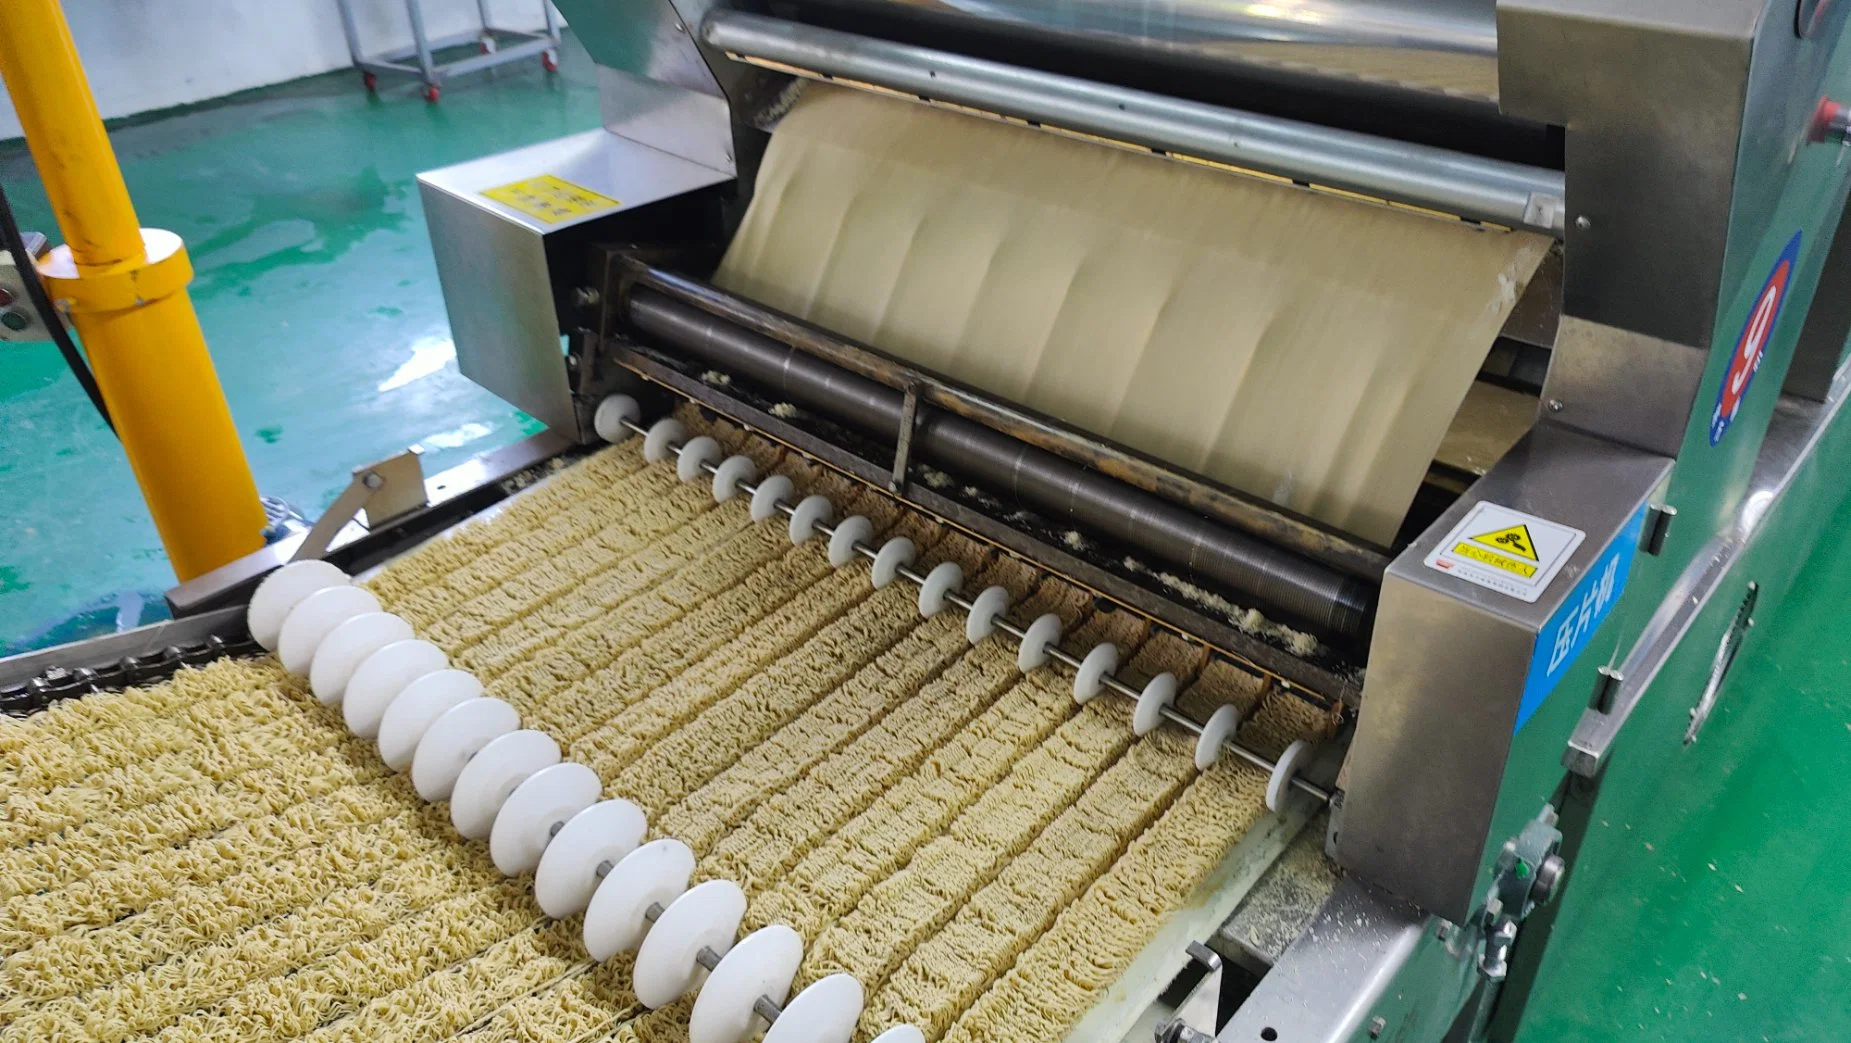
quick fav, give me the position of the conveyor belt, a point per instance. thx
(216, 858)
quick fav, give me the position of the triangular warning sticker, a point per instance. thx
(1514, 540)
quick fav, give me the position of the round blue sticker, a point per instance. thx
(1752, 344)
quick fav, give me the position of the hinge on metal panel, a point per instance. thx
(1527, 874)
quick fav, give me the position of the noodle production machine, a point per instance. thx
(1653, 434)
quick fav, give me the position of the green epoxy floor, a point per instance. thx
(319, 298)
(1715, 907)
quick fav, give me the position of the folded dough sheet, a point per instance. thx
(1303, 347)
(216, 858)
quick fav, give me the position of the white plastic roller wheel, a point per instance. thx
(901, 1034)
(1221, 726)
(762, 964)
(379, 679)
(894, 555)
(313, 618)
(727, 476)
(981, 622)
(1284, 771)
(283, 590)
(347, 646)
(418, 705)
(945, 577)
(608, 421)
(454, 738)
(698, 451)
(1041, 635)
(1158, 693)
(826, 1012)
(537, 809)
(1089, 679)
(813, 509)
(706, 916)
(492, 775)
(771, 492)
(655, 873)
(661, 433)
(852, 530)
(583, 852)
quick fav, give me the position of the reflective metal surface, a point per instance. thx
(498, 275)
(1633, 388)
(1444, 46)
(1302, 592)
(1451, 182)
(1369, 966)
(1794, 436)
(1448, 667)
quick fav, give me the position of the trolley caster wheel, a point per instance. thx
(371, 81)
(432, 92)
(549, 60)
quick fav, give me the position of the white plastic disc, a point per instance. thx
(894, 555)
(313, 618)
(727, 476)
(492, 775)
(346, 646)
(901, 1034)
(981, 622)
(706, 916)
(1041, 635)
(813, 509)
(826, 1012)
(1090, 677)
(655, 873)
(661, 433)
(1158, 693)
(850, 531)
(601, 835)
(281, 591)
(379, 679)
(945, 577)
(1284, 770)
(418, 705)
(612, 412)
(698, 451)
(538, 808)
(762, 964)
(771, 492)
(1220, 727)
(455, 737)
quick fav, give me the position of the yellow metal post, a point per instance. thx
(126, 291)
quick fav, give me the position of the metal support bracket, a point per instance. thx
(1658, 521)
(903, 451)
(1528, 873)
(385, 490)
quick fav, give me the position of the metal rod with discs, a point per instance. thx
(583, 852)
(986, 613)
(492, 775)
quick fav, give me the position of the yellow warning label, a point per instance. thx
(550, 199)
(1513, 540)
(1485, 557)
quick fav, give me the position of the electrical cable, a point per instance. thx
(15, 244)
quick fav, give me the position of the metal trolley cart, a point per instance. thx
(494, 47)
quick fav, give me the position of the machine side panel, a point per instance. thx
(496, 260)
(500, 302)
(1449, 664)
(1652, 101)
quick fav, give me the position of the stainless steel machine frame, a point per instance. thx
(1689, 418)
(1672, 148)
